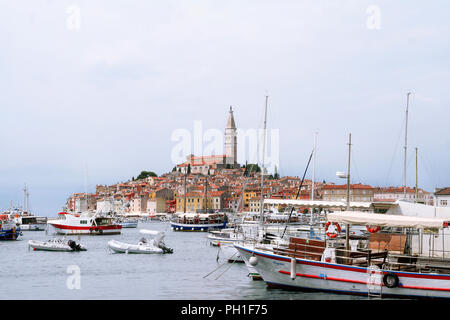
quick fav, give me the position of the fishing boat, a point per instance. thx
(144, 246)
(390, 263)
(8, 228)
(56, 245)
(91, 224)
(198, 222)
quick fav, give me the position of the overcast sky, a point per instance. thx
(107, 91)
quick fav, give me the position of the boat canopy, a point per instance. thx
(385, 220)
(317, 203)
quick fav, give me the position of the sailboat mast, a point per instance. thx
(313, 176)
(417, 182)
(347, 226)
(406, 145)
(262, 164)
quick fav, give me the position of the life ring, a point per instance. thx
(338, 229)
(390, 280)
(373, 230)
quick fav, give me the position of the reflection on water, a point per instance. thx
(104, 275)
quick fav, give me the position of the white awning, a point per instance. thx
(317, 203)
(385, 220)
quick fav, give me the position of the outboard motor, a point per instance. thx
(72, 244)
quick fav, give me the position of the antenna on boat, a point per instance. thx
(406, 144)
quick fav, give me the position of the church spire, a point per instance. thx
(231, 140)
(231, 124)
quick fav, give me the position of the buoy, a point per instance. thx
(293, 268)
(253, 261)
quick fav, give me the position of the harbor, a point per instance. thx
(224, 155)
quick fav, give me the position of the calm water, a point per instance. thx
(43, 275)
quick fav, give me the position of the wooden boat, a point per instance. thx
(390, 264)
(198, 222)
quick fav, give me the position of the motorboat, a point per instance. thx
(56, 245)
(85, 223)
(145, 246)
(8, 228)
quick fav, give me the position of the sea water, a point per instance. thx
(100, 274)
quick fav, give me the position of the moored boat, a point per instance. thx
(96, 224)
(198, 222)
(8, 228)
(56, 245)
(391, 262)
(144, 246)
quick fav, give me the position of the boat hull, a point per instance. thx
(121, 247)
(197, 227)
(9, 233)
(331, 277)
(88, 230)
(49, 246)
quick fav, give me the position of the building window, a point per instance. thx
(443, 202)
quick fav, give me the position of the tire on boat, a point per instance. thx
(390, 280)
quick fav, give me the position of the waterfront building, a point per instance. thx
(391, 194)
(442, 197)
(358, 192)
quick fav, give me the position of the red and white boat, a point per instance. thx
(397, 264)
(69, 223)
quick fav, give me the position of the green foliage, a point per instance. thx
(146, 174)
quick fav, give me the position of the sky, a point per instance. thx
(92, 91)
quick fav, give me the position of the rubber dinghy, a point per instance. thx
(56, 245)
(154, 245)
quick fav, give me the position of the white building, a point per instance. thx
(442, 197)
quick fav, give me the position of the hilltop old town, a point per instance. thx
(219, 183)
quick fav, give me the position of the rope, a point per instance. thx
(218, 266)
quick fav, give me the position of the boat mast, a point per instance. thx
(313, 178)
(206, 194)
(347, 226)
(417, 183)
(25, 198)
(406, 145)
(261, 209)
(185, 174)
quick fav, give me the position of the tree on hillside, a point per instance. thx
(146, 174)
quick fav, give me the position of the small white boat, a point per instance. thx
(129, 223)
(155, 245)
(56, 245)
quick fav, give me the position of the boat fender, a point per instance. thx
(253, 261)
(338, 229)
(293, 268)
(100, 231)
(373, 230)
(390, 280)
